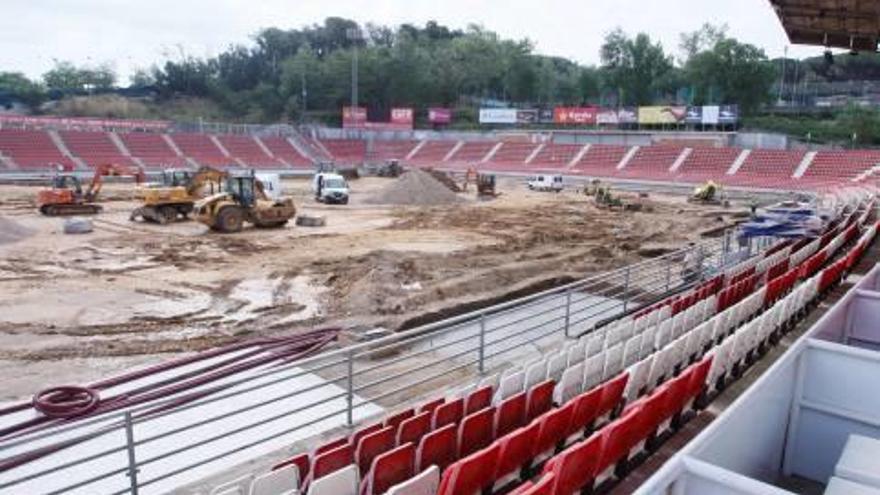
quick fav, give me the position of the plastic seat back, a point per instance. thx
(414, 428)
(448, 413)
(424, 483)
(478, 400)
(283, 480)
(331, 461)
(341, 482)
(539, 400)
(585, 410)
(439, 447)
(612, 393)
(389, 469)
(515, 450)
(469, 475)
(552, 429)
(575, 468)
(510, 415)
(476, 431)
(395, 419)
(372, 445)
(302, 462)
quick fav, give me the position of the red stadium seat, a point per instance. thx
(395, 419)
(440, 447)
(612, 394)
(539, 399)
(361, 433)
(469, 475)
(413, 429)
(510, 415)
(475, 432)
(332, 445)
(515, 453)
(372, 445)
(575, 468)
(478, 400)
(331, 461)
(389, 469)
(430, 406)
(617, 440)
(585, 411)
(448, 413)
(552, 429)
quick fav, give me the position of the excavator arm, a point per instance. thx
(204, 176)
(111, 169)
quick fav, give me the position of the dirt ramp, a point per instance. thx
(11, 231)
(416, 188)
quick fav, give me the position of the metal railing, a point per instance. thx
(147, 449)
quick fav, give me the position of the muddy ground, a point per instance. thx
(77, 307)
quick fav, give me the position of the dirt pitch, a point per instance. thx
(77, 307)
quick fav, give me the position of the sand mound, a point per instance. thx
(11, 231)
(415, 187)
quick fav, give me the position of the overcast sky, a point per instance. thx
(131, 34)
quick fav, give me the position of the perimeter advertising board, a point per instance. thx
(354, 117)
(440, 116)
(498, 115)
(402, 118)
(662, 115)
(575, 115)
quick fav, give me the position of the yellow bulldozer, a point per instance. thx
(708, 194)
(243, 201)
(175, 197)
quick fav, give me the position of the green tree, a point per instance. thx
(16, 86)
(731, 72)
(634, 67)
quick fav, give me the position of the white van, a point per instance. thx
(330, 188)
(271, 185)
(545, 183)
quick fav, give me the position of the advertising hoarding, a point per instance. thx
(402, 118)
(354, 117)
(665, 114)
(575, 115)
(498, 115)
(439, 115)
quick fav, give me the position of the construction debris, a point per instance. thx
(311, 221)
(415, 187)
(77, 226)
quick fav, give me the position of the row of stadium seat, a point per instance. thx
(501, 427)
(31, 150)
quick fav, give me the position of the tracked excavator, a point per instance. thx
(67, 196)
(175, 198)
(243, 201)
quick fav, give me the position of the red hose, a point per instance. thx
(66, 401)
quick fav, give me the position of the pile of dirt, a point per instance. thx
(415, 187)
(10, 231)
(444, 179)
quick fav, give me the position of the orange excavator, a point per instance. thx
(67, 197)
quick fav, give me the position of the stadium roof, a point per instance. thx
(852, 24)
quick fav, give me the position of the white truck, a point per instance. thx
(330, 188)
(545, 183)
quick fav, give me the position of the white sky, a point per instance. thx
(137, 33)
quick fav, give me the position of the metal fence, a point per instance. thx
(145, 451)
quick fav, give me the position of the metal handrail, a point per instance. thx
(484, 335)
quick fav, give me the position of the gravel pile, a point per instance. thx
(417, 188)
(10, 231)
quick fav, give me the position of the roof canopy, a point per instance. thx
(851, 24)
